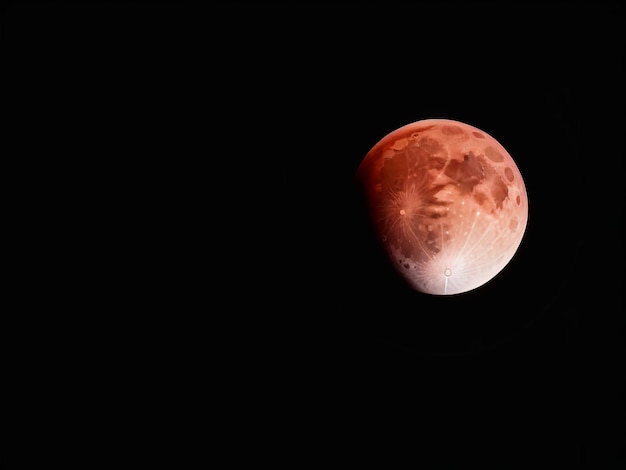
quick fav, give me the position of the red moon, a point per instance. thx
(447, 203)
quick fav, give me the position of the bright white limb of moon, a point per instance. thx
(454, 269)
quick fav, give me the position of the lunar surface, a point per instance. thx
(447, 202)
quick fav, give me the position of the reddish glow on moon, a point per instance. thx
(447, 202)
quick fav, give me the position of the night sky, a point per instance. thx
(172, 128)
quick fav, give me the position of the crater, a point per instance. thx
(478, 135)
(509, 173)
(493, 155)
(451, 130)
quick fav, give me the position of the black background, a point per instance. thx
(147, 134)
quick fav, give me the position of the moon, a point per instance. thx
(447, 203)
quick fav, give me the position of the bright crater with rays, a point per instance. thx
(447, 203)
